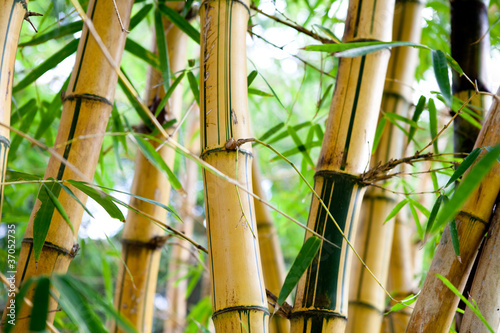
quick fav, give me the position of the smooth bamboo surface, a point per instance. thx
(273, 265)
(436, 304)
(322, 293)
(86, 108)
(238, 290)
(11, 20)
(485, 289)
(143, 240)
(374, 238)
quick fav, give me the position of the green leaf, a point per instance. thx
(464, 166)
(299, 266)
(398, 117)
(433, 123)
(141, 14)
(454, 239)
(142, 53)
(19, 301)
(414, 213)
(58, 32)
(272, 131)
(101, 198)
(134, 103)
(325, 96)
(253, 91)
(416, 116)
(285, 133)
(58, 205)
(434, 212)
(357, 49)
(161, 43)
(155, 158)
(378, 133)
(440, 65)
(251, 77)
(40, 312)
(468, 185)
(20, 113)
(47, 65)
(328, 32)
(12, 175)
(169, 92)
(472, 307)
(396, 209)
(403, 304)
(180, 22)
(454, 64)
(193, 83)
(71, 194)
(300, 145)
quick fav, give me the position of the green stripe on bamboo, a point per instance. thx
(374, 239)
(238, 291)
(321, 301)
(81, 116)
(436, 304)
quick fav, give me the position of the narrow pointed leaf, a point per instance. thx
(299, 266)
(272, 131)
(58, 206)
(328, 32)
(396, 209)
(40, 312)
(464, 166)
(142, 53)
(58, 32)
(180, 22)
(434, 212)
(454, 239)
(161, 43)
(357, 49)
(468, 185)
(67, 190)
(300, 145)
(253, 91)
(404, 303)
(433, 123)
(440, 65)
(251, 77)
(139, 16)
(414, 213)
(193, 83)
(416, 116)
(378, 133)
(102, 200)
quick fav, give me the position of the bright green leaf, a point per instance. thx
(464, 166)
(440, 65)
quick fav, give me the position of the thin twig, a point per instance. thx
(119, 18)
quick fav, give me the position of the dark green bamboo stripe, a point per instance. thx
(6, 37)
(209, 230)
(71, 135)
(353, 113)
(373, 16)
(230, 116)
(358, 17)
(217, 74)
(125, 259)
(27, 262)
(365, 251)
(84, 48)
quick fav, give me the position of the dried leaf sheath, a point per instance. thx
(374, 239)
(238, 291)
(321, 302)
(11, 19)
(86, 110)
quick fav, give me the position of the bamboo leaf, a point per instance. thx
(325, 96)
(300, 145)
(39, 313)
(398, 117)
(58, 206)
(378, 133)
(193, 83)
(414, 213)
(180, 22)
(141, 15)
(161, 43)
(357, 49)
(328, 32)
(416, 116)
(464, 166)
(12, 175)
(403, 304)
(19, 302)
(396, 209)
(101, 199)
(440, 65)
(285, 133)
(454, 64)
(420, 207)
(118, 126)
(433, 123)
(272, 131)
(472, 307)
(47, 65)
(454, 239)
(434, 212)
(142, 53)
(253, 91)
(58, 32)
(299, 266)
(251, 77)
(71, 194)
(168, 94)
(468, 185)
(134, 103)
(155, 158)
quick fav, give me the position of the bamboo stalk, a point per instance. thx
(321, 301)
(86, 109)
(374, 238)
(485, 289)
(436, 304)
(238, 291)
(273, 264)
(142, 240)
(11, 19)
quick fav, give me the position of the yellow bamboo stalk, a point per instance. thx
(11, 19)
(142, 240)
(179, 259)
(86, 109)
(322, 293)
(374, 238)
(485, 289)
(238, 291)
(436, 304)
(270, 251)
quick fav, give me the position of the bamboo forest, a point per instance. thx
(250, 166)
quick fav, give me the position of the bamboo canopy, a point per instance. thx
(11, 19)
(142, 240)
(485, 289)
(374, 238)
(322, 293)
(273, 264)
(86, 108)
(238, 291)
(436, 303)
